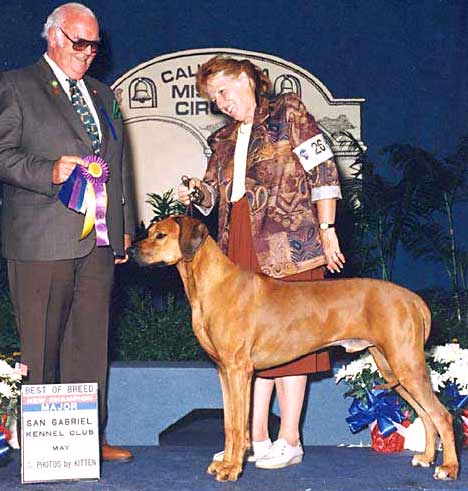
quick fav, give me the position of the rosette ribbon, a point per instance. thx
(455, 401)
(381, 407)
(85, 192)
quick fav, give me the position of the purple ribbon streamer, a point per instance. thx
(99, 187)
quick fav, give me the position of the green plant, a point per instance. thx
(9, 340)
(384, 201)
(164, 205)
(144, 332)
(436, 236)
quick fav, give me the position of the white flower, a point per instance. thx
(5, 369)
(354, 369)
(448, 353)
(6, 390)
(437, 380)
(457, 372)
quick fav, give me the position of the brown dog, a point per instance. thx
(248, 321)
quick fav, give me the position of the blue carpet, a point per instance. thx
(182, 468)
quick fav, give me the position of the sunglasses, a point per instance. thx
(82, 44)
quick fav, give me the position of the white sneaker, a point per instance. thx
(260, 450)
(281, 454)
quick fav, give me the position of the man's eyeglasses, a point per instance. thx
(82, 44)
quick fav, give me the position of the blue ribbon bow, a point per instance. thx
(4, 447)
(455, 401)
(381, 406)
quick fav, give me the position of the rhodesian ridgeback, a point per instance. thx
(247, 321)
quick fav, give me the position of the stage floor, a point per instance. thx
(182, 468)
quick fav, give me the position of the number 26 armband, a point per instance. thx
(313, 152)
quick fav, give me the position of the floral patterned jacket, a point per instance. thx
(284, 141)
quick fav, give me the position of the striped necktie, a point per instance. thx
(85, 115)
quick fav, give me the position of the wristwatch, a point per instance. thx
(326, 226)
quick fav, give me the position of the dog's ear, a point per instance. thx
(192, 235)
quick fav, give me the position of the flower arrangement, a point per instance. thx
(10, 389)
(448, 369)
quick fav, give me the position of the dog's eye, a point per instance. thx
(160, 235)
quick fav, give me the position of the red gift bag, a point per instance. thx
(389, 444)
(465, 426)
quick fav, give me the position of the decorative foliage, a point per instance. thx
(145, 332)
(9, 341)
(448, 370)
(10, 389)
(164, 205)
(449, 367)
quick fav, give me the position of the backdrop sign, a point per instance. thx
(168, 122)
(59, 432)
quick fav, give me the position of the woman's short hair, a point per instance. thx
(231, 67)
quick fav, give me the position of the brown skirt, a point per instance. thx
(242, 253)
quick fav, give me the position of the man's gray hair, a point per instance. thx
(55, 19)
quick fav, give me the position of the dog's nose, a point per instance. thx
(131, 251)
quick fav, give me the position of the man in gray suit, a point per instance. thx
(61, 285)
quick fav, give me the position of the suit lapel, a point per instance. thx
(61, 102)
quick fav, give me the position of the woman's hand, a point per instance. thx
(331, 248)
(184, 192)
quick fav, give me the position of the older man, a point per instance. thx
(51, 116)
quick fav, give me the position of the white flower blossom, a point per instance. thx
(5, 369)
(457, 372)
(354, 369)
(448, 353)
(437, 380)
(6, 390)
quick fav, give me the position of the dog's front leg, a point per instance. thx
(236, 385)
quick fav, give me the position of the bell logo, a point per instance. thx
(143, 93)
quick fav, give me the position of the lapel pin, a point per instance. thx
(116, 114)
(55, 87)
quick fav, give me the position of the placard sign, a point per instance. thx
(59, 432)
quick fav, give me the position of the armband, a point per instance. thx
(313, 152)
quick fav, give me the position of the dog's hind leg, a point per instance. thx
(428, 457)
(420, 390)
(415, 387)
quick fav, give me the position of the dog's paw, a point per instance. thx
(446, 472)
(420, 460)
(215, 467)
(230, 472)
(224, 471)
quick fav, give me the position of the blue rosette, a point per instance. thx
(381, 406)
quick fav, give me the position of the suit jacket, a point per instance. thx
(38, 124)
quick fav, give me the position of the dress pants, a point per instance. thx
(62, 315)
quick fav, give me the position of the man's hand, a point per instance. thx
(64, 166)
(127, 244)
